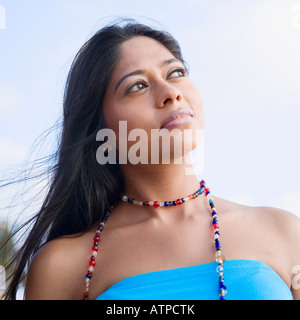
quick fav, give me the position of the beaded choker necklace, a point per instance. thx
(156, 204)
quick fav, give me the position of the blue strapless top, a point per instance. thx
(244, 279)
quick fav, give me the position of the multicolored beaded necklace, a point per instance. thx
(156, 204)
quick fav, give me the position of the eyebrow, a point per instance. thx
(142, 71)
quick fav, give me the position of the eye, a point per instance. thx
(177, 73)
(137, 86)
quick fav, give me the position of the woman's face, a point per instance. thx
(147, 85)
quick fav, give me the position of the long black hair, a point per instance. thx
(80, 189)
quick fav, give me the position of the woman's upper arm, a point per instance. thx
(288, 230)
(48, 275)
(295, 265)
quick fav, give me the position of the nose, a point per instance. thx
(168, 94)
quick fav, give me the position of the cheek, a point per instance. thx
(126, 125)
(113, 114)
(110, 120)
(194, 99)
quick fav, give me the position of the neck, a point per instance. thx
(161, 183)
(158, 182)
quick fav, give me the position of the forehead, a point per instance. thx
(140, 52)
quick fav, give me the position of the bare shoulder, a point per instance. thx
(57, 270)
(264, 233)
(285, 230)
(286, 225)
(281, 223)
(273, 219)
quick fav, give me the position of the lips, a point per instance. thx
(177, 117)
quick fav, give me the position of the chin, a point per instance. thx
(175, 144)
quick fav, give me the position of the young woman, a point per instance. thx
(146, 231)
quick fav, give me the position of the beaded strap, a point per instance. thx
(215, 225)
(219, 257)
(92, 262)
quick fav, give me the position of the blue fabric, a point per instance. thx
(245, 280)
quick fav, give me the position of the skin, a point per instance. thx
(137, 240)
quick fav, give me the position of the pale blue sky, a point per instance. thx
(244, 56)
